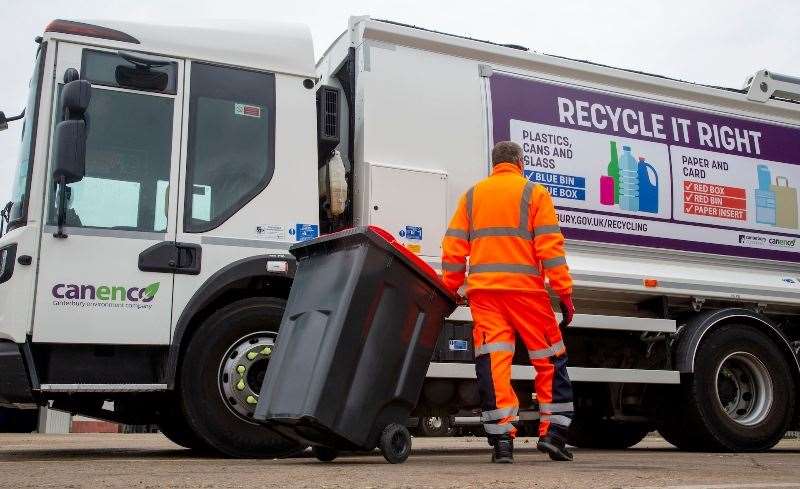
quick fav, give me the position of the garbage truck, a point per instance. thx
(165, 170)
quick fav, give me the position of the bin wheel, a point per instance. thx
(395, 443)
(325, 454)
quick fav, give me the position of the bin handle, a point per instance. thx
(778, 182)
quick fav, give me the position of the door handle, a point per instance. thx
(172, 257)
(188, 258)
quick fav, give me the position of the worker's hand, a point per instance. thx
(567, 309)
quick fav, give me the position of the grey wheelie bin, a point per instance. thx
(359, 330)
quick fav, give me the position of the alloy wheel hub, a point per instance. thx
(242, 371)
(744, 388)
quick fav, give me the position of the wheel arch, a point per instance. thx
(245, 278)
(697, 328)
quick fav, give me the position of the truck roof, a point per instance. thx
(520, 47)
(282, 47)
(516, 55)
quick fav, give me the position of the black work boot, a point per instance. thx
(555, 448)
(503, 452)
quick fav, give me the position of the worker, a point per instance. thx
(507, 227)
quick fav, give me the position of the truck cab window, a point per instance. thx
(112, 70)
(128, 152)
(21, 183)
(231, 142)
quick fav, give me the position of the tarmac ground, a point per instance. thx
(150, 461)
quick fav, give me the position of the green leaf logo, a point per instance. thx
(151, 290)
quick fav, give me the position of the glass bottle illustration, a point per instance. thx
(613, 169)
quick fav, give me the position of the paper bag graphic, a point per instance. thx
(785, 203)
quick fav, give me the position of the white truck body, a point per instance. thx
(445, 128)
(171, 225)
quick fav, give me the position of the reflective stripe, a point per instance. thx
(457, 233)
(490, 347)
(500, 231)
(546, 352)
(468, 198)
(554, 262)
(556, 407)
(454, 267)
(557, 419)
(524, 207)
(503, 268)
(529, 415)
(498, 429)
(550, 229)
(501, 413)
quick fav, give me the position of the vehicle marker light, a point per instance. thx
(89, 30)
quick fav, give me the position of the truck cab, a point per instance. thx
(151, 191)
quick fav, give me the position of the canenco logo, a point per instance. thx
(111, 293)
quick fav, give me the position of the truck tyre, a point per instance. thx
(172, 424)
(739, 398)
(434, 426)
(221, 374)
(605, 434)
(179, 433)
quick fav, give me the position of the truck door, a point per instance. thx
(111, 279)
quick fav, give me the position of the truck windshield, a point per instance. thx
(21, 183)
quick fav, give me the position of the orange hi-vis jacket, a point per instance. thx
(508, 228)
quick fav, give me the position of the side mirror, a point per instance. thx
(69, 163)
(4, 120)
(75, 97)
(69, 154)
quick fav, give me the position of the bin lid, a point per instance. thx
(385, 241)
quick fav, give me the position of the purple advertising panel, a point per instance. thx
(624, 170)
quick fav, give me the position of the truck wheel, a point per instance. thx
(740, 397)
(434, 426)
(172, 424)
(605, 434)
(221, 375)
(179, 433)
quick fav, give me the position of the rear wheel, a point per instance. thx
(605, 434)
(739, 398)
(221, 375)
(434, 426)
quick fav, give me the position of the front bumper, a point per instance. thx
(15, 384)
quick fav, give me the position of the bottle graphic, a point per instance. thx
(648, 187)
(628, 180)
(613, 169)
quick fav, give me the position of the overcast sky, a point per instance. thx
(717, 42)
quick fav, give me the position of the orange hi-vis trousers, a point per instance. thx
(498, 316)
